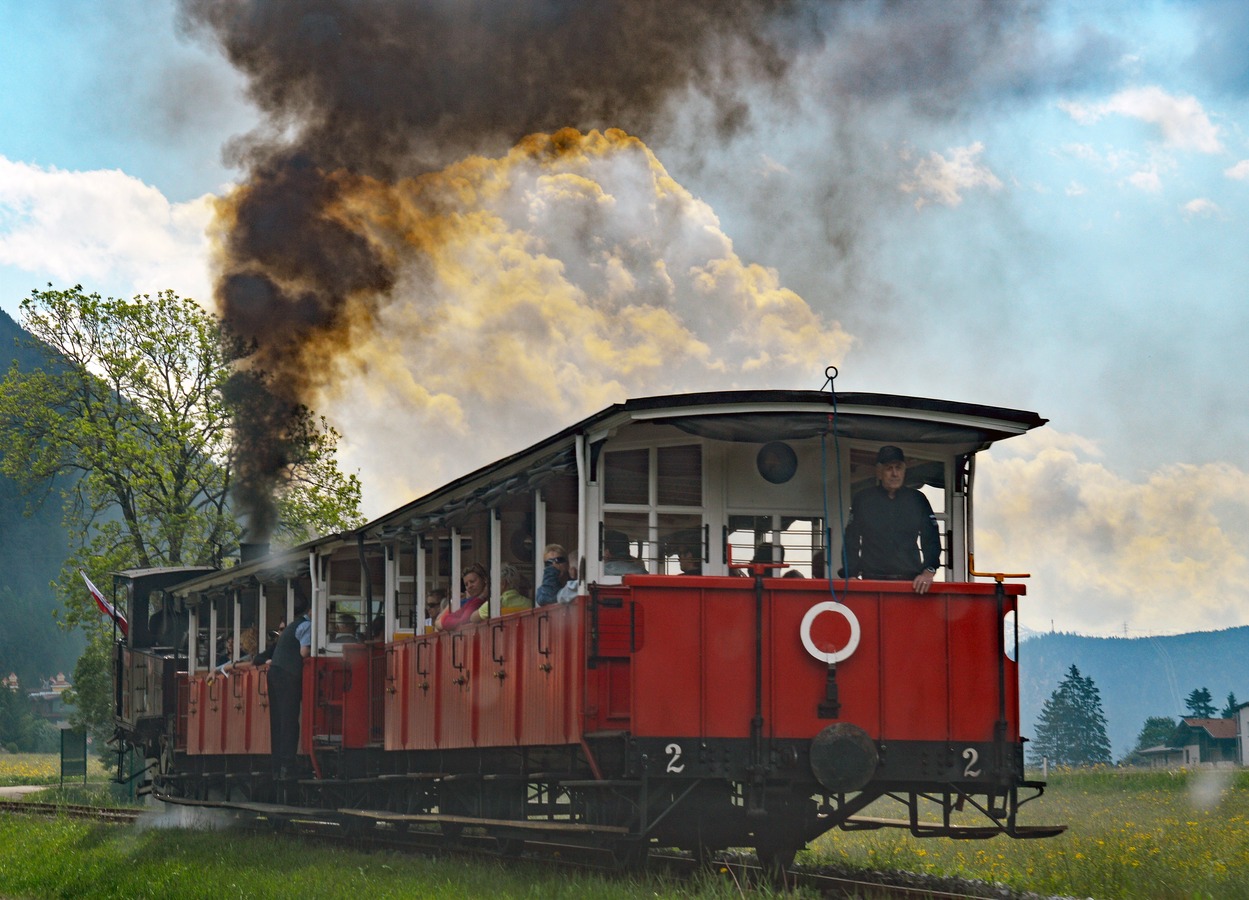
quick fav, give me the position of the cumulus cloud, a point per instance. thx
(1238, 172)
(539, 287)
(1164, 553)
(101, 227)
(943, 179)
(1200, 207)
(1181, 119)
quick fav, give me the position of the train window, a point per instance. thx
(344, 578)
(636, 529)
(405, 587)
(651, 495)
(682, 544)
(800, 540)
(626, 477)
(679, 475)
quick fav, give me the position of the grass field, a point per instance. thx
(41, 768)
(1130, 835)
(70, 858)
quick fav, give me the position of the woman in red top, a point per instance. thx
(476, 580)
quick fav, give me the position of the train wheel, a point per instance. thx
(705, 856)
(509, 846)
(630, 855)
(775, 860)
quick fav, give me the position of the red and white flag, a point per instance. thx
(105, 607)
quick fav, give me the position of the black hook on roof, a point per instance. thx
(830, 373)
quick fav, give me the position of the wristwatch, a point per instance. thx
(931, 569)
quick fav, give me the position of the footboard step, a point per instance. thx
(526, 824)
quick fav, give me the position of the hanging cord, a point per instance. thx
(830, 374)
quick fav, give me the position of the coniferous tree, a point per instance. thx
(1229, 709)
(1200, 704)
(1071, 729)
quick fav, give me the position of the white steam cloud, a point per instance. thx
(1162, 555)
(559, 283)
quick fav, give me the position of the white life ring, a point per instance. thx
(846, 613)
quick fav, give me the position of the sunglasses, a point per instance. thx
(558, 559)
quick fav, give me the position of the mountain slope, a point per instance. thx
(1137, 677)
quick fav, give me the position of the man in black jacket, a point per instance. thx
(892, 533)
(286, 688)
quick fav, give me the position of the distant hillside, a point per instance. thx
(32, 550)
(1137, 677)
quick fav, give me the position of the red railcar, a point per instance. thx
(711, 710)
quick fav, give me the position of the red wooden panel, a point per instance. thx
(258, 737)
(609, 696)
(183, 704)
(234, 703)
(800, 681)
(323, 706)
(552, 662)
(419, 697)
(307, 705)
(975, 631)
(667, 668)
(396, 679)
(356, 704)
(456, 685)
(498, 682)
(727, 650)
(213, 712)
(914, 671)
(194, 688)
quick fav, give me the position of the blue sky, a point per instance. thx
(1047, 212)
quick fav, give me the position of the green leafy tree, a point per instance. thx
(1156, 732)
(21, 731)
(1200, 704)
(1229, 708)
(1071, 729)
(130, 403)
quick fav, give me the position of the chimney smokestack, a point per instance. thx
(249, 552)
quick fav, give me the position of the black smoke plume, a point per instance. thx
(382, 89)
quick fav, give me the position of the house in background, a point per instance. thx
(1162, 757)
(1242, 733)
(49, 703)
(1208, 741)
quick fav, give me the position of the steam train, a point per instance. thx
(727, 704)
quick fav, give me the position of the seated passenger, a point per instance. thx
(766, 553)
(511, 600)
(249, 643)
(571, 587)
(476, 582)
(377, 629)
(435, 602)
(556, 574)
(690, 560)
(616, 557)
(344, 629)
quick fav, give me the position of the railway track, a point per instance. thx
(740, 868)
(94, 813)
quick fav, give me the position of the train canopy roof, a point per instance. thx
(747, 416)
(744, 416)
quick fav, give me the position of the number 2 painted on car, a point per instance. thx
(674, 750)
